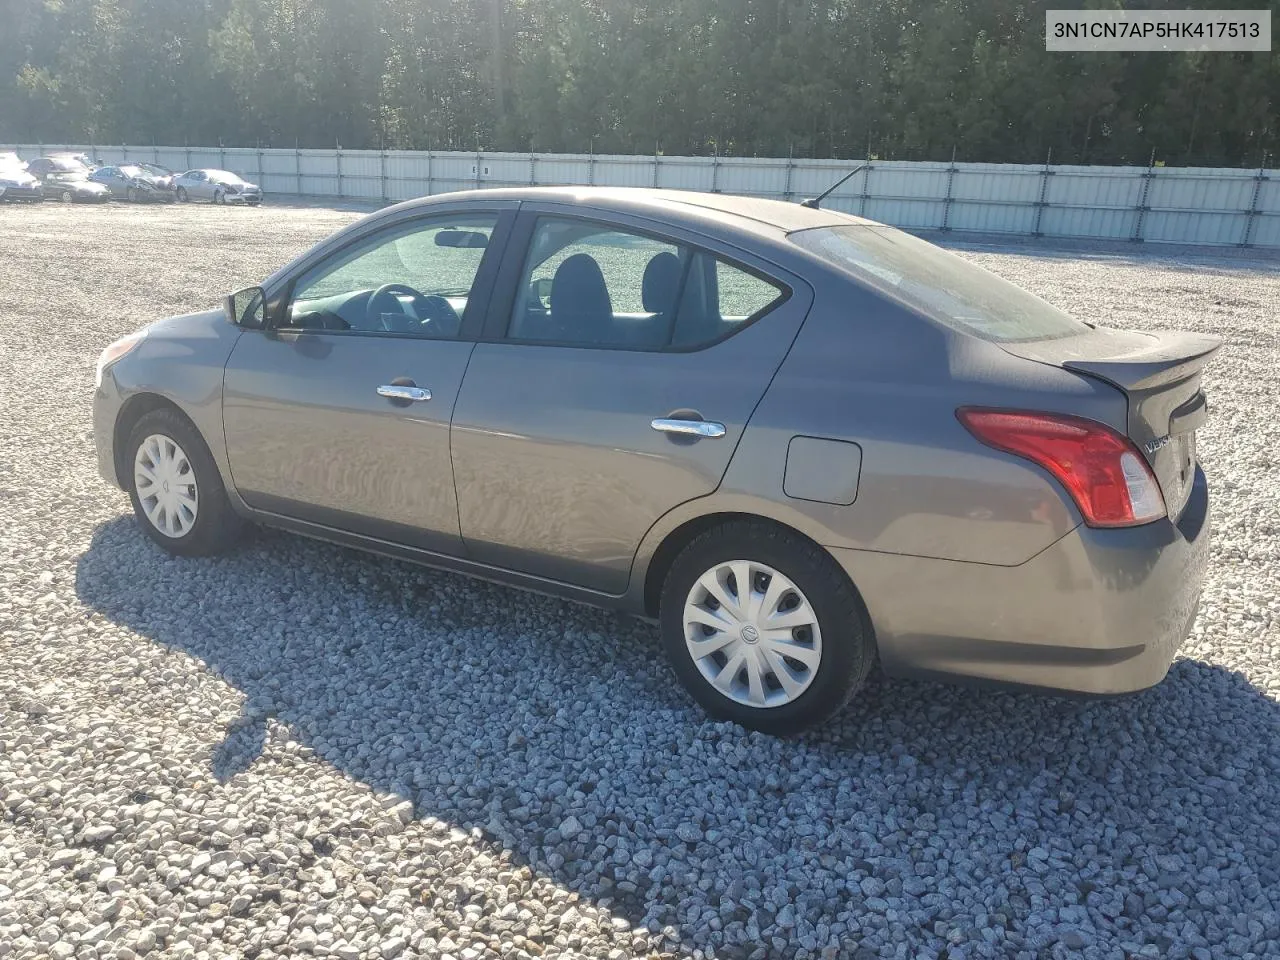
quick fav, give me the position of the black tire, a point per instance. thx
(181, 195)
(217, 526)
(131, 195)
(219, 197)
(65, 196)
(848, 645)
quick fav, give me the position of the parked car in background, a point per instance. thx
(42, 167)
(66, 178)
(216, 186)
(17, 184)
(798, 439)
(130, 182)
(85, 159)
(163, 176)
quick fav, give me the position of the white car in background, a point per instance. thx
(216, 186)
(15, 182)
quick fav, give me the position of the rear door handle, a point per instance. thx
(707, 429)
(397, 391)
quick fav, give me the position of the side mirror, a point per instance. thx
(246, 308)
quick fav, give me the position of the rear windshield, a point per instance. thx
(940, 284)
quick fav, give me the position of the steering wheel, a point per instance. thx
(433, 314)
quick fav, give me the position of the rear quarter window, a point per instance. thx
(938, 283)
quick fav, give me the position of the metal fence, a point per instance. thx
(1157, 204)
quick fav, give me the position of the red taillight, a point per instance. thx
(1102, 470)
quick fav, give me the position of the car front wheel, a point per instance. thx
(181, 195)
(177, 493)
(763, 628)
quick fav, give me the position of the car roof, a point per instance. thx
(751, 214)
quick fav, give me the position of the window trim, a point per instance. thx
(482, 284)
(503, 304)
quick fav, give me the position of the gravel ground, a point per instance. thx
(300, 750)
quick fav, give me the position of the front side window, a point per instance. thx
(939, 283)
(413, 280)
(588, 284)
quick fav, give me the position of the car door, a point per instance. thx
(197, 185)
(338, 414)
(109, 177)
(614, 382)
(208, 187)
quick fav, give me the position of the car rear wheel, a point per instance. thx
(176, 491)
(763, 628)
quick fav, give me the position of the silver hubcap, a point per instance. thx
(166, 485)
(752, 633)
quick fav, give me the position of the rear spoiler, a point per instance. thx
(1163, 359)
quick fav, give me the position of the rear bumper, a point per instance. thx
(1098, 612)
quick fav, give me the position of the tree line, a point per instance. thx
(894, 79)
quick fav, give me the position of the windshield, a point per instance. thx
(67, 164)
(938, 283)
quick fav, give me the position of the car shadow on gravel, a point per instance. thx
(518, 714)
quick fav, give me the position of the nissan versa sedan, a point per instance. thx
(799, 440)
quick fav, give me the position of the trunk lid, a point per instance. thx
(1159, 373)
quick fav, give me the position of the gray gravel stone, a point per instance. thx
(297, 750)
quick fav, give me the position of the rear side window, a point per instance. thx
(587, 284)
(938, 283)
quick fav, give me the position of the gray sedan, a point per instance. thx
(216, 186)
(799, 440)
(66, 178)
(130, 182)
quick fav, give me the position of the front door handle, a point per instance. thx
(703, 429)
(399, 391)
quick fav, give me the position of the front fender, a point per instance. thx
(181, 360)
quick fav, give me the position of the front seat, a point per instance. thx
(580, 306)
